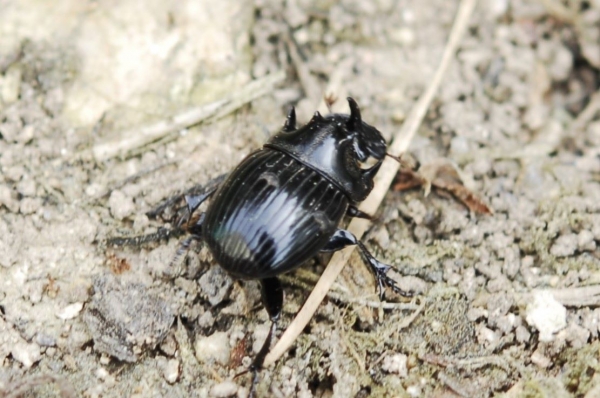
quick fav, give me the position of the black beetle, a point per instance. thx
(282, 205)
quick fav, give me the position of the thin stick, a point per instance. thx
(384, 178)
(129, 141)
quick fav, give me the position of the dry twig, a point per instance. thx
(127, 142)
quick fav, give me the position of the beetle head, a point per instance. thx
(335, 145)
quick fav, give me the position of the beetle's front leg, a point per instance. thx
(342, 238)
(272, 298)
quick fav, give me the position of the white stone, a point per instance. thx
(70, 311)
(546, 314)
(171, 371)
(213, 348)
(396, 363)
(27, 354)
(224, 389)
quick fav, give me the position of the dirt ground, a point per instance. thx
(107, 108)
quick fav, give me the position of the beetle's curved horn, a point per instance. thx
(355, 119)
(370, 173)
(290, 121)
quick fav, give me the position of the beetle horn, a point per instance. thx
(370, 173)
(317, 117)
(290, 121)
(355, 119)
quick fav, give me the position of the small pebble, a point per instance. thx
(45, 340)
(414, 391)
(564, 246)
(171, 371)
(169, 345)
(522, 334)
(224, 389)
(30, 205)
(540, 359)
(7, 198)
(213, 348)
(395, 363)
(70, 311)
(101, 373)
(26, 354)
(546, 314)
(120, 205)
(585, 240)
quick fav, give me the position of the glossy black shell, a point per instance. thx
(272, 214)
(284, 202)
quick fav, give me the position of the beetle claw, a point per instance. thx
(380, 270)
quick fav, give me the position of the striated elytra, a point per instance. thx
(282, 205)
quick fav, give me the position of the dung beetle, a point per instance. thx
(283, 203)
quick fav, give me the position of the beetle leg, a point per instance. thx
(195, 235)
(272, 298)
(354, 212)
(195, 191)
(342, 238)
(194, 201)
(136, 241)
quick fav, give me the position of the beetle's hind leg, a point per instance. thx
(272, 298)
(342, 238)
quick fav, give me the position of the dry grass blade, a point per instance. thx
(384, 179)
(127, 142)
(584, 296)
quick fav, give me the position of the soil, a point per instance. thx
(506, 302)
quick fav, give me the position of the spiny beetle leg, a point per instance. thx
(197, 190)
(193, 202)
(354, 212)
(195, 235)
(139, 240)
(380, 270)
(342, 238)
(272, 298)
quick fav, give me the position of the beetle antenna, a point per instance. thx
(290, 121)
(407, 164)
(396, 158)
(355, 119)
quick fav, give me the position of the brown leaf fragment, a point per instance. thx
(442, 175)
(468, 198)
(117, 265)
(238, 353)
(330, 99)
(407, 179)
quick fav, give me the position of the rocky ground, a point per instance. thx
(107, 108)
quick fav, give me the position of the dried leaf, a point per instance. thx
(444, 175)
(467, 197)
(407, 179)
